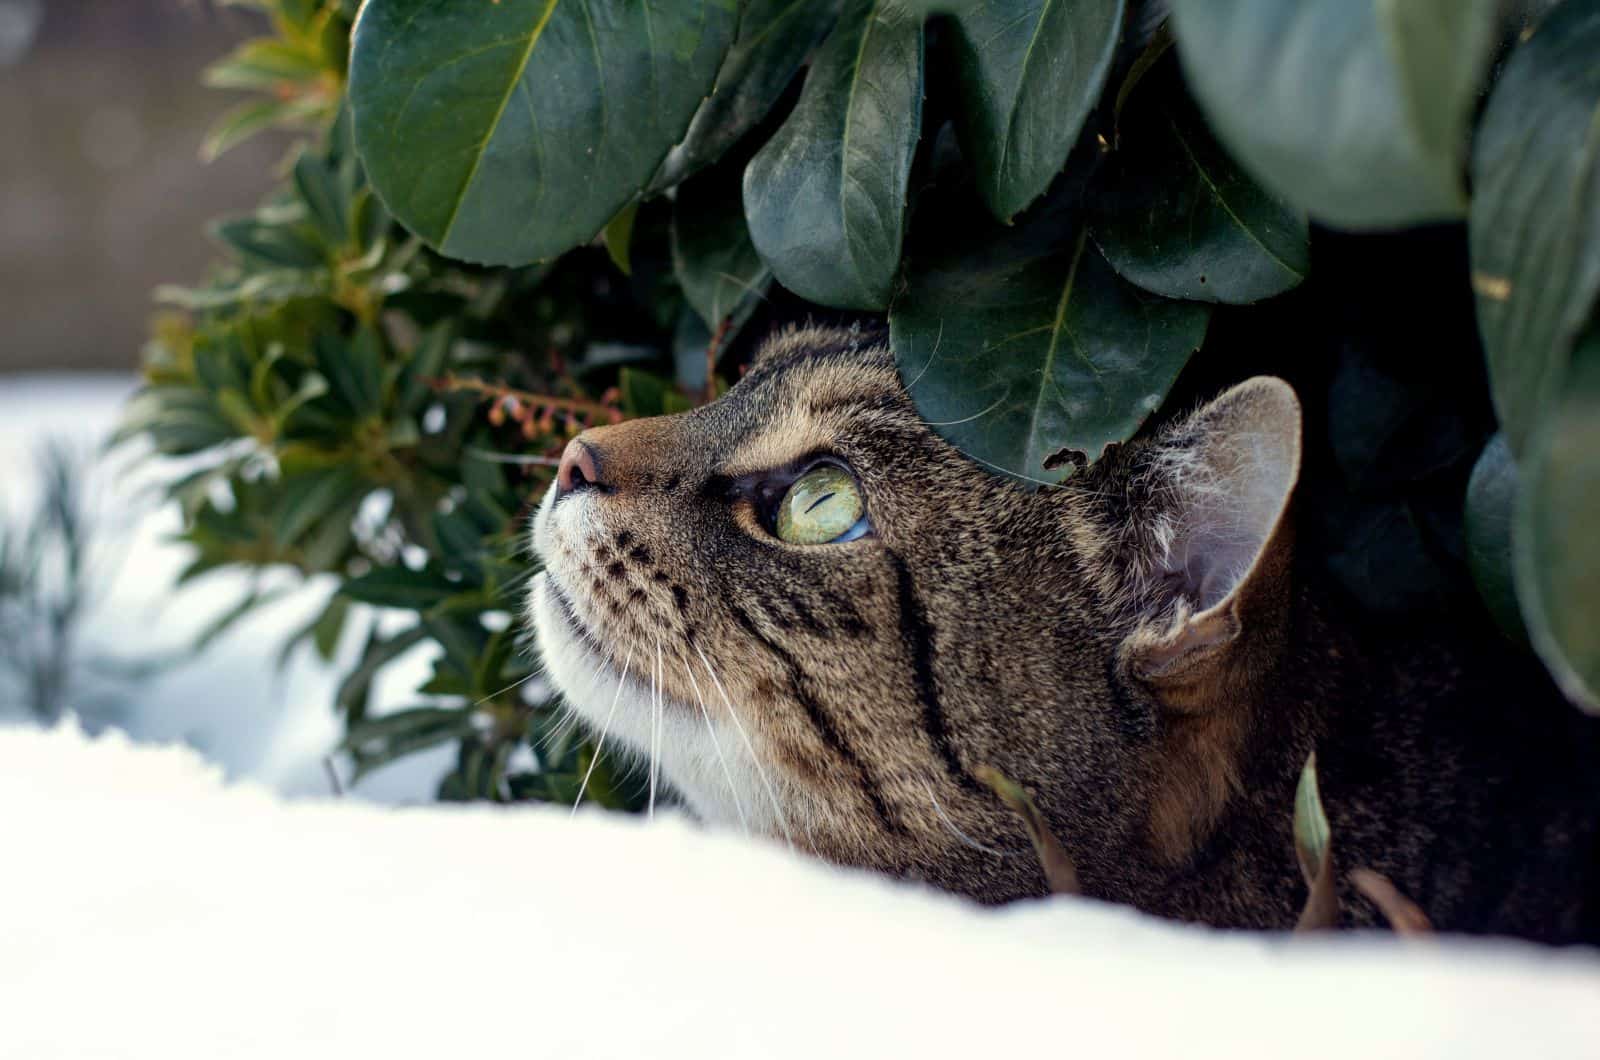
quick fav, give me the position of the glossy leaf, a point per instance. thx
(1557, 552)
(509, 132)
(1030, 73)
(1179, 218)
(712, 255)
(775, 38)
(1535, 224)
(826, 196)
(1013, 357)
(1354, 110)
(1491, 502)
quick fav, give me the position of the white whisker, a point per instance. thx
(600, 744)
(959, 834)
(716, 745)
(772, 796)
(655, 728)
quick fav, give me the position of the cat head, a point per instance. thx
(819, 619)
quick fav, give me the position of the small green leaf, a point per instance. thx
(354, 369)
(1356, 111)
(510, 132)
(1557, 552)
(1030, 72)
(1013, 354)
(271, 244)
(1313, 848)
(1177, 217)
(619, 238)
(712, 256)
(1535, 224)
(330, 626)
(326, 197)
(263, 63)
(1491, 502)
(309, 498)
(826, 196)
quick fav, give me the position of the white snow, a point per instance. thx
(148, 910)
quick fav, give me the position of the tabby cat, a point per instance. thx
(818, 619)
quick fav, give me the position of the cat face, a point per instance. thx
(818, 619)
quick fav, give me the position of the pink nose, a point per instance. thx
(579, 468)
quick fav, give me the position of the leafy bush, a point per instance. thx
(513, 220)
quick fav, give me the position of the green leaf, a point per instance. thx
(309, 498)
(1491, 502)
(354, 369)
(378, 741)
(1556, 551)
(327, 198)
(1355, 110)
(262, 63)
(330, 626)
(179, 421)
(1180, 219)
(1013, 356)
(775, 38)
(1030, 73)
(619, 238)
(356, 688)
(1310, 822)
(271, 244)
(242, 122)
(716, 264)
(1313, 848)
(509, 132)
(644, 394)
(826, 196)
(415, 590)
(1535, 223)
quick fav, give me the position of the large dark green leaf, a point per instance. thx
(715, 262)
(1535, 224)
(509, 132)
(775, 37)
(1030, 73)
(1491, 502)
(826, 197)
(1013, 357)
(1355, 110)
(1556, 551)
(1179, 218)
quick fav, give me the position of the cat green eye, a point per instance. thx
(824, 505)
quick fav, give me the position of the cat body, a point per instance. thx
(1138, 647)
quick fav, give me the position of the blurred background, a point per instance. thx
(103, 197)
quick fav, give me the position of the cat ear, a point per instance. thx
(1216, 542)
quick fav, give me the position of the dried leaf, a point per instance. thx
(1405, 917)
(1059, 871)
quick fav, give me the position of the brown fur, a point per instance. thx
(982, 623)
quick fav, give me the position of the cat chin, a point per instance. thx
(614, 702)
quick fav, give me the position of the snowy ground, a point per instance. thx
(149, 911)
(231, 704)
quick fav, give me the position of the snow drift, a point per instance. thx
(147, 910)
